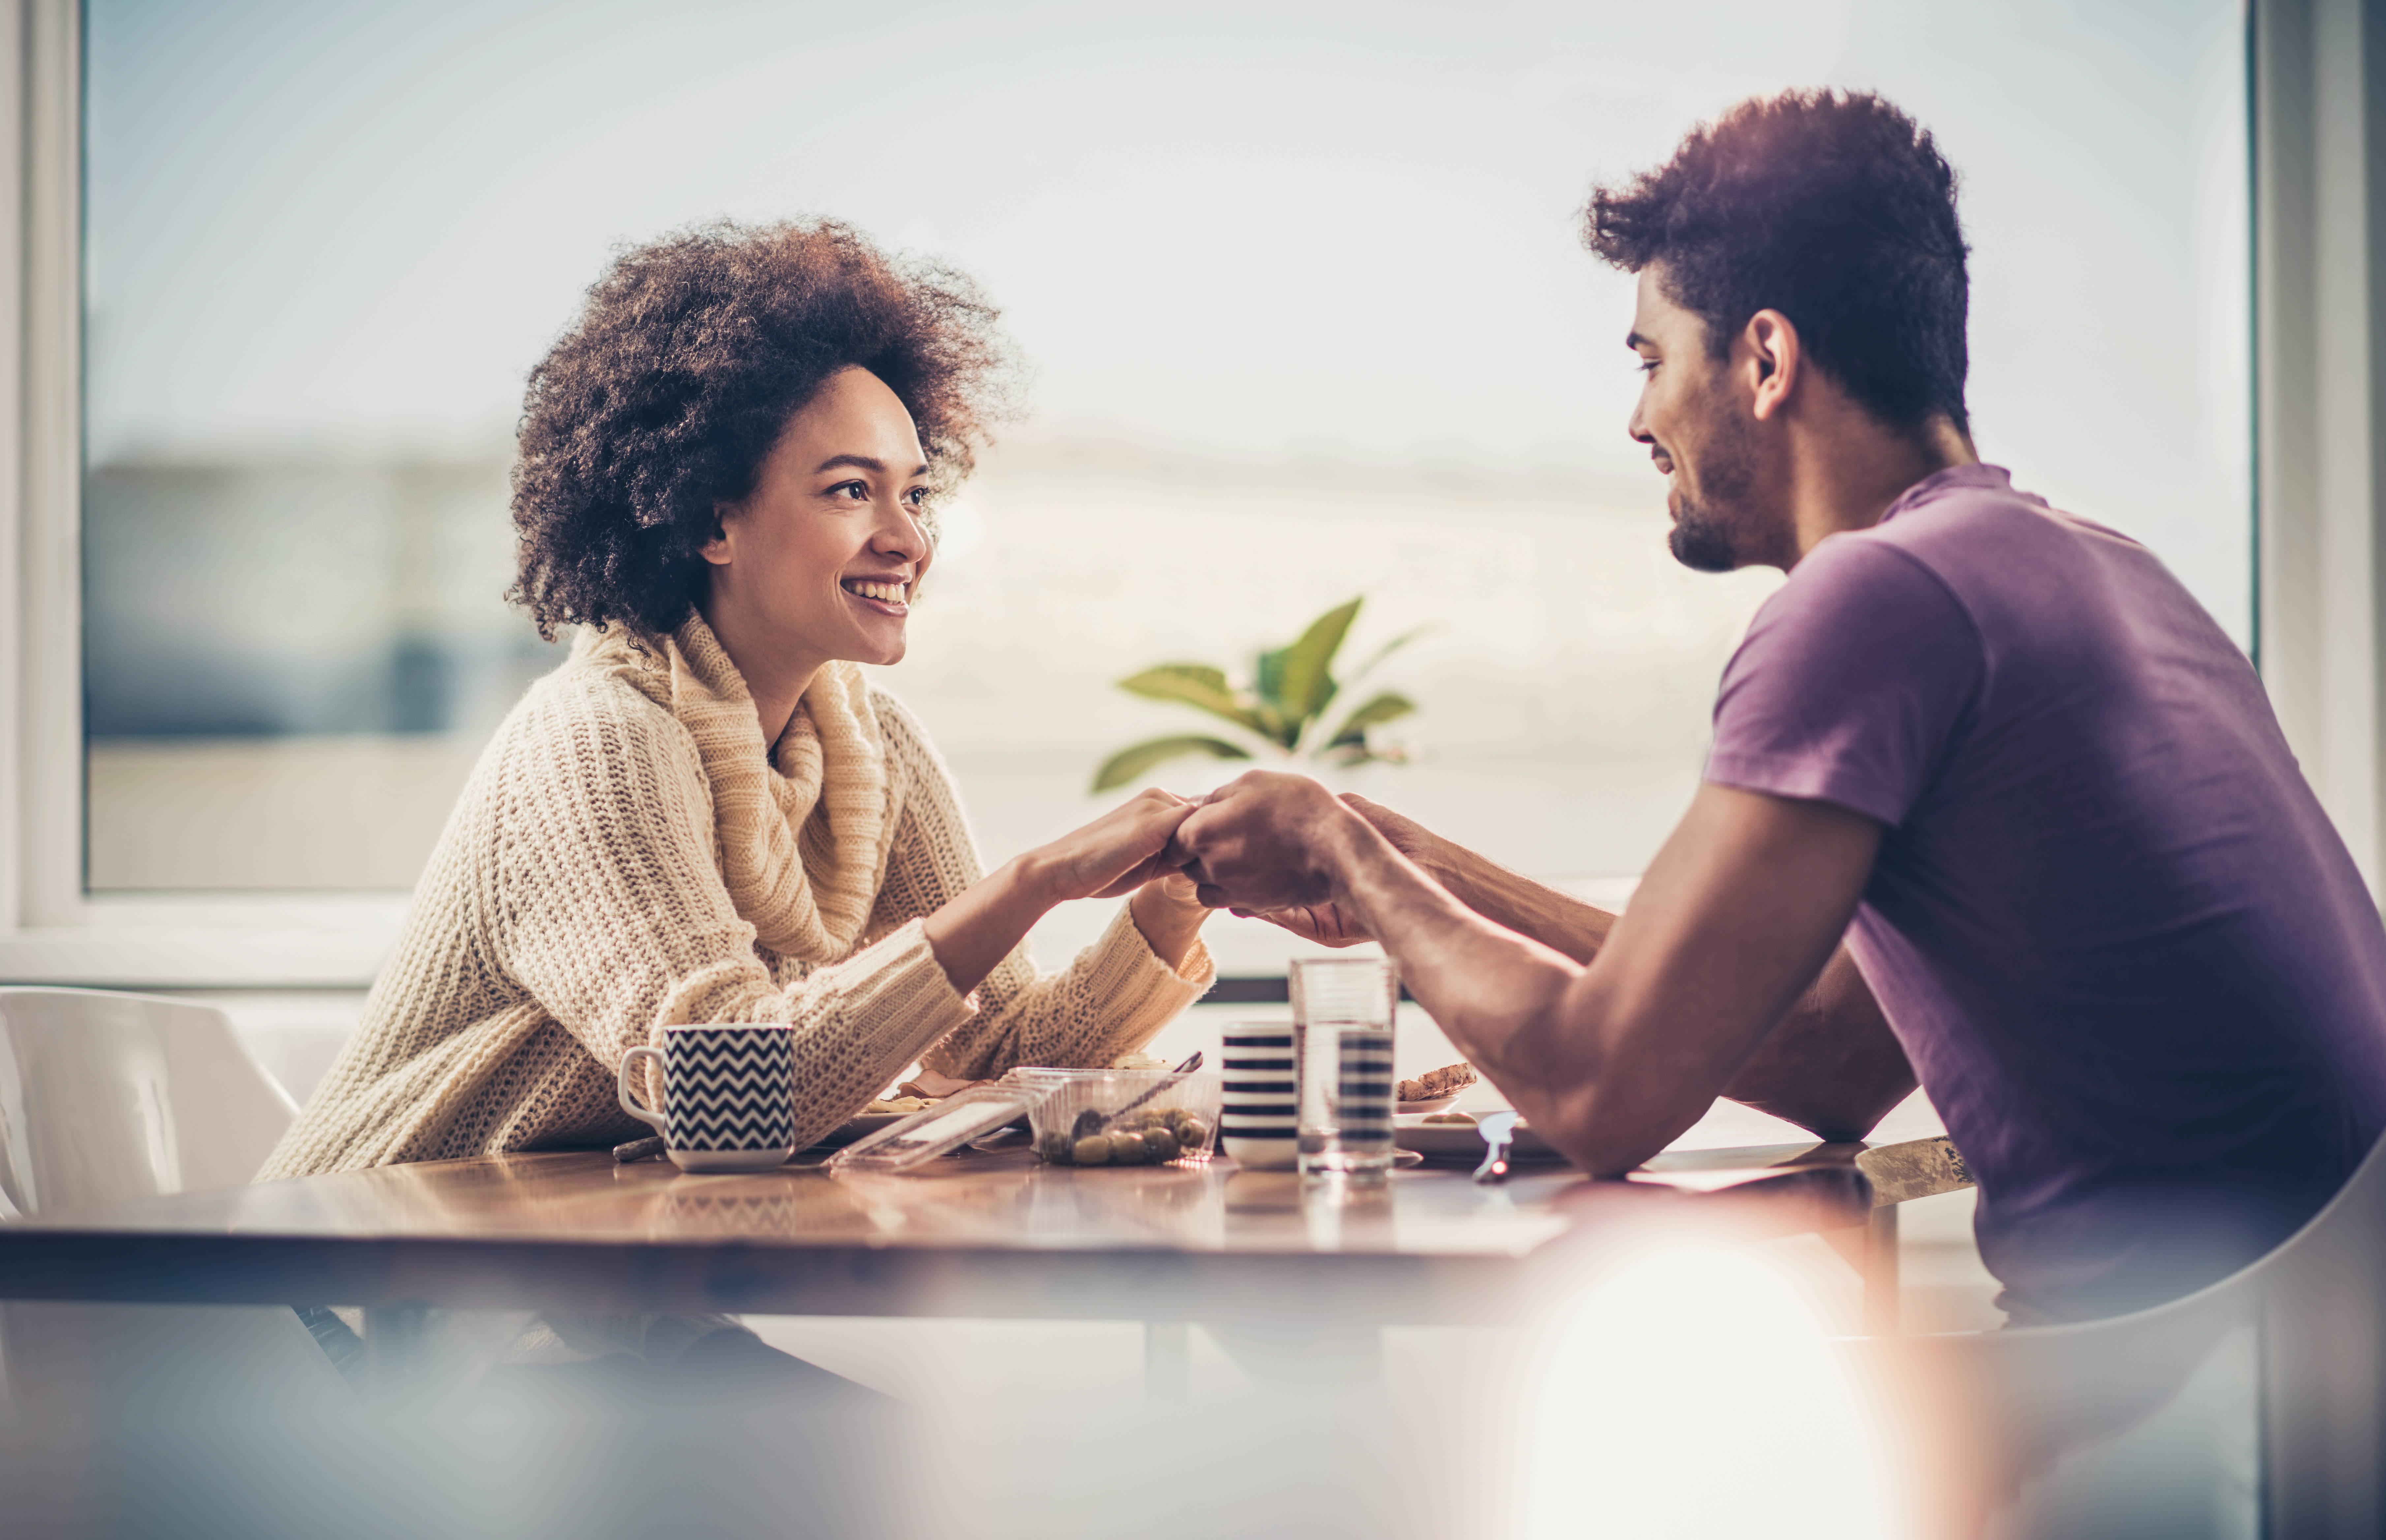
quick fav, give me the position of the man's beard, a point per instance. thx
(1708, 528)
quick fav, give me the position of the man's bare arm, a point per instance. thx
(1612, 1061)
(1831, 1065)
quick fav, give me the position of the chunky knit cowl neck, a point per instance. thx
(801, 834)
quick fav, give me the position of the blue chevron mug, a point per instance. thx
(729, 1095)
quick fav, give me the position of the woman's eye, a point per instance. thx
(918, 496)
(854, 490)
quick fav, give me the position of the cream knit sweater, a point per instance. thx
(625, 859)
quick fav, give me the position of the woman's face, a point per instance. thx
(820, 561)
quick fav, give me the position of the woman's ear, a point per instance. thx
(721, 549)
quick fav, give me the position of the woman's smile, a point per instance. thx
(889, 596)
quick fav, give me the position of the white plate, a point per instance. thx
(1431, 1104)
(1464, 1142)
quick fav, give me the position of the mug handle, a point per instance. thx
(621, 1088)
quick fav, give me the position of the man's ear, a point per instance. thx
(1775, 359)
(718, 550)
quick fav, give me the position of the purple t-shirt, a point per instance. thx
(2130, 958)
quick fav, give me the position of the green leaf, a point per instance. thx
(1389, 707)
(1305, 680)
(1129, 764)
(1194, 684)
(1395, 644)
(1267, 684)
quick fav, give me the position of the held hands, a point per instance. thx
(1260, 843)
(1117, 853)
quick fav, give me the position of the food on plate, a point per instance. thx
(895, 1104)
(1434, 1085)
(1143, 1138)
(1466, 1118)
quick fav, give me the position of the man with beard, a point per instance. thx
(1991, 797)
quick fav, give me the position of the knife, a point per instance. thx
(1499, 1129)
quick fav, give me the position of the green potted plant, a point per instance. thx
(1282, 711)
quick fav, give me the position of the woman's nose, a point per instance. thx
(901, 533)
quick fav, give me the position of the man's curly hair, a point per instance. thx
(691, 354)
(1834, 209)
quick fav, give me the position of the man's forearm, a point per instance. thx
(1557, 920)
(1495, 990)
(1832, 1065)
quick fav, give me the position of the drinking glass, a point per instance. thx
(1342, 1014)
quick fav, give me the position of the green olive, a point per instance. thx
(1192, 1134)
(1092, 1150)
(1158, 1145)
(1126, 1149)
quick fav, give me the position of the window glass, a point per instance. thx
(1308, 315)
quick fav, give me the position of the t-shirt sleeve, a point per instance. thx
(1852, 684)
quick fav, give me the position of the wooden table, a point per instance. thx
(982, 1235)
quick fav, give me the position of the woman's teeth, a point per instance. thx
(888, 592)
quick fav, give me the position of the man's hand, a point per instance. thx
(1332, 924)
(1259, 843)
(1327, 924)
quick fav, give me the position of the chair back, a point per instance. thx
(106, 1096)
(2319, 1300)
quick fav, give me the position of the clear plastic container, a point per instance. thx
(1185, 1106)
(938, 1130)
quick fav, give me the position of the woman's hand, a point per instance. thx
(1117, 853)
(1169, 912)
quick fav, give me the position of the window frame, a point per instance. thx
(52, 931)
(2321, 562)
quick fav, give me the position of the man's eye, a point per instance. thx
(1647, 365)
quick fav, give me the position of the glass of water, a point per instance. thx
(1342, 1013)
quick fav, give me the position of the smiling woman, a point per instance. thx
(707, 814)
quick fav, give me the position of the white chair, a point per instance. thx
(1990, 1409)
(105, 1097)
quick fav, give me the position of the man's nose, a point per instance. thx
(1638, 429)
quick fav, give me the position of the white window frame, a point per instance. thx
(2319, 193)
(51, 931)
(2317, 410)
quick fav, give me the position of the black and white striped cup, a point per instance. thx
(1260, 1123)
(729, 1095)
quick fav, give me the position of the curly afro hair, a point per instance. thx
(663, 399)
(1834, 209)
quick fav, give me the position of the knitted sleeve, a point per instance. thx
(1110, 1001)
(607, 906)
